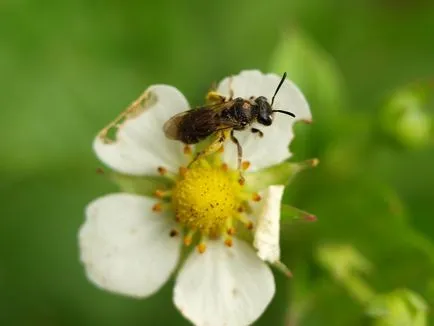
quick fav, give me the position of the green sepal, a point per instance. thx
(279, 174)
(143, 185)
(288, 212)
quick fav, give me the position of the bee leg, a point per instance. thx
(213, 147)
(240, 155)
(257, 131)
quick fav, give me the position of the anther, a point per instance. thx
(162, 193)
(189, 238)
(228, 242)
(161, 170)
(256, 197)
(243, 219)
(201, 247)
(241, 181)
(100, 171)
(245, 165)
(173, 233)
(240, 209)
(225, 167)
(182, 171)
(157, 207)
(187, 150)
(230, 231)
(221, 149)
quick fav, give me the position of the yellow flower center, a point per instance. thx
(206, 198)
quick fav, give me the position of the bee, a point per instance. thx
(221, 118)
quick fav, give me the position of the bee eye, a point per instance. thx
(265, 120)
(260, 99)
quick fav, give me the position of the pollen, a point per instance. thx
(205, 198)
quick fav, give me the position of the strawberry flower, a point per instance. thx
(133, 241)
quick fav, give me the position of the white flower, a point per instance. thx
(130, 244)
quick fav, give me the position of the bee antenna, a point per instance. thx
(278, 87)
(285, 112)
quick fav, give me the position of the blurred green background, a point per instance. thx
(69, 67)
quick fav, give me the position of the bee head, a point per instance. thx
(264, 112)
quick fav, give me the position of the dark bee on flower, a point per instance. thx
(222, 118)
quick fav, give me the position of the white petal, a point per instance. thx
(267, 234)
(224, 286)
(125, 247)
(273, 148)
(140, 145)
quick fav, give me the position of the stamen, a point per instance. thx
(162, 170)
(187, 150)
(256, 196)
(173, 233)
(189, 237)
(245, 165)
(158, 207)
(241, 181)
(221, 149)
(230, 230)
(243, 219)
(166, 173)
(201, 247)
(225, 167)
(163, 193)
(228, 242)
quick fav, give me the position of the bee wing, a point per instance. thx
(171, 126)
(198, 123)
